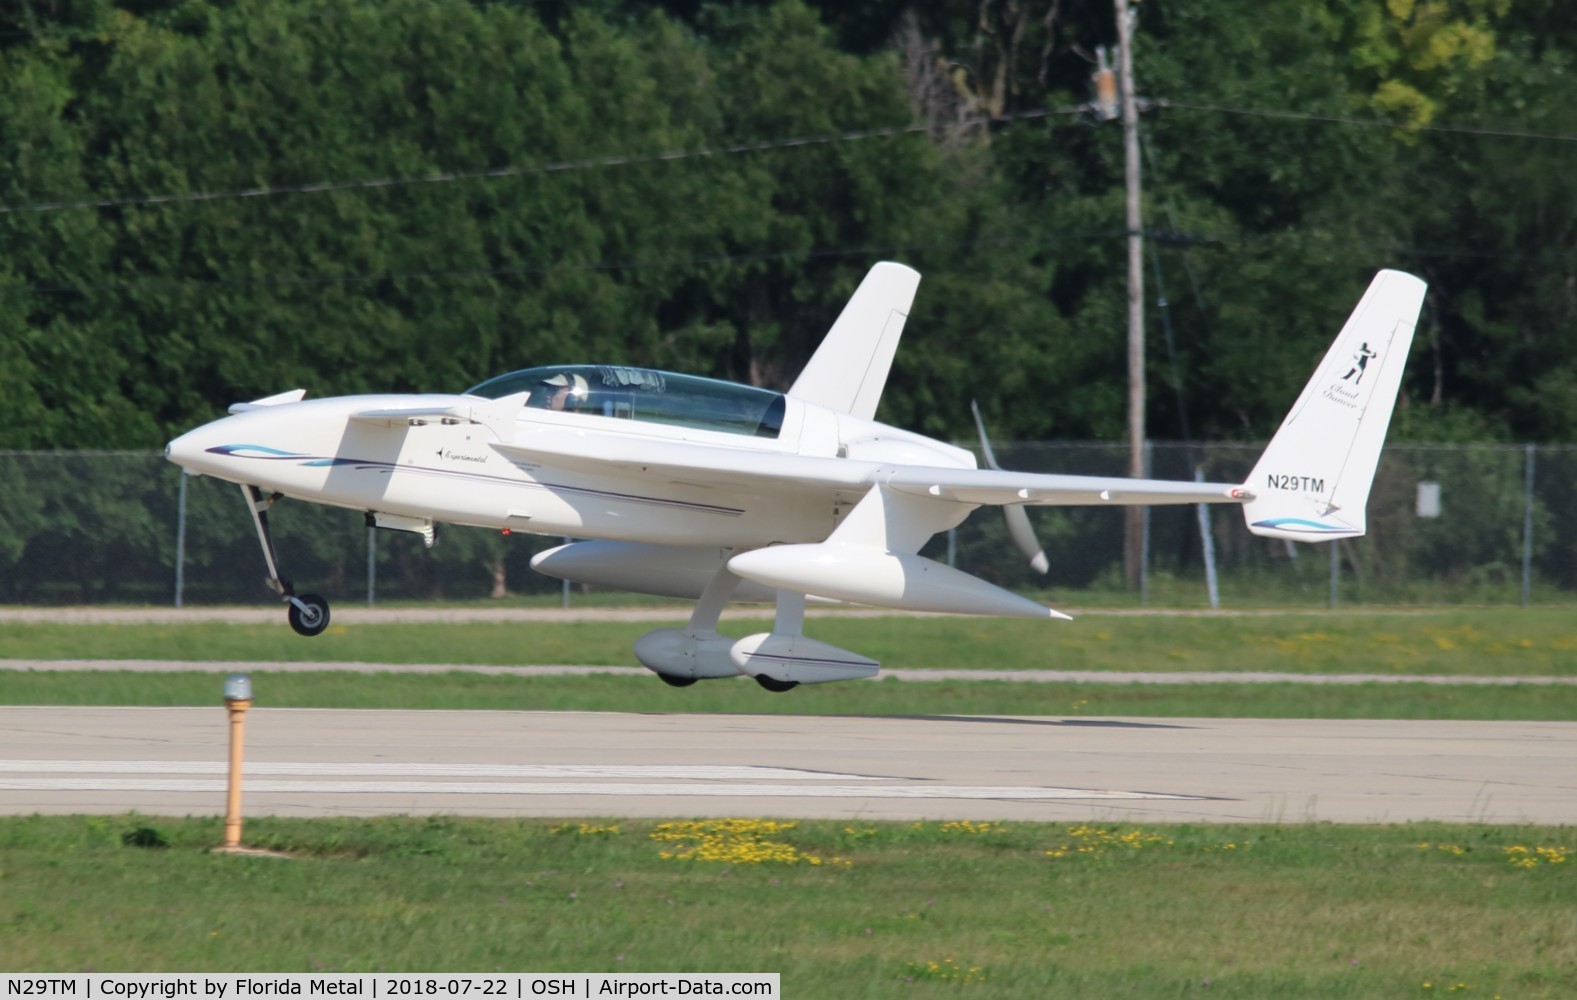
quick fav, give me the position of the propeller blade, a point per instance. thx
(1024, 538)
(1018, 518)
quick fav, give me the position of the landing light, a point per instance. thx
(238, 687)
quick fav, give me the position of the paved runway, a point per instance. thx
(308, 762)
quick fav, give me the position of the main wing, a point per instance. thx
(998, 487)
(754, 469)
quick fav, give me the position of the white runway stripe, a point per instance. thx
(715, 789)
(699, 772)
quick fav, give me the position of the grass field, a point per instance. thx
(1477, 642)
(1463, 643)
(841, 910)
(457, 690)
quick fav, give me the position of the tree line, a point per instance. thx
(204, 201)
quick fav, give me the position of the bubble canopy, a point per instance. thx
(644, 394)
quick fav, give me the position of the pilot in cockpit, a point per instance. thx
(566, 392)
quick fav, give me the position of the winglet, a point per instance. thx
(1313, 481)
(293, 396)
(849, 370)
(500, 414)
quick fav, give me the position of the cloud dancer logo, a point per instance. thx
(1360, 363)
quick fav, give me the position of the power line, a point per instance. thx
(323, 279)
(560, 166)
(630, 159)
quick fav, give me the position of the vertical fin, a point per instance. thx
(849, 370)
(1313, 480)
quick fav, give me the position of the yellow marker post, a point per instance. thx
(238, 698)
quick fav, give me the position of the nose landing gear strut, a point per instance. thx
(308, 613)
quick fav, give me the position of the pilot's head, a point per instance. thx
(566, 392)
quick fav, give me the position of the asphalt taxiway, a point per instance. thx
(319, 762)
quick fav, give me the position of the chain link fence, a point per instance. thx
(1485, 524)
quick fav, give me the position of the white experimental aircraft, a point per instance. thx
(712, 491)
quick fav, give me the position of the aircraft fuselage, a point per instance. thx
(449, 470)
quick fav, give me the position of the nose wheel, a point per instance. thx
(308, 613)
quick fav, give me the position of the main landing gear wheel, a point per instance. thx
(774, 685)
(309, 614)
(673, 680)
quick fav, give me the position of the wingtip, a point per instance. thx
(290, 396)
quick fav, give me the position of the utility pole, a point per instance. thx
(1133, 533)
